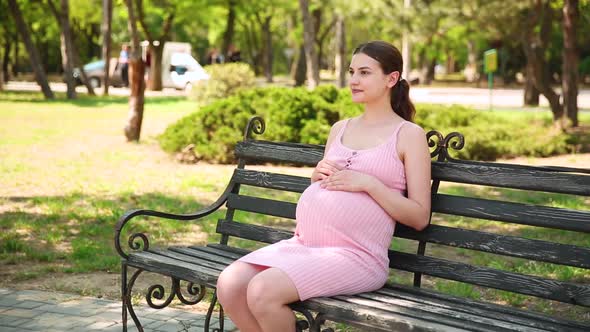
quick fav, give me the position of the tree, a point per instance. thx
(67, 58)
(107, 18)
(136, 97)
(228, 35)
(340, 60)
(570, 61)
(313, 70)
(156, 46)
(534, 44)
(34, 58)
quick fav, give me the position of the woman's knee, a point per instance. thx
(270, 290)
(230, 284)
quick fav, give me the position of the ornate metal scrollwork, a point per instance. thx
(311, 323)
(255, 125)
(454, 140)
(158, 292)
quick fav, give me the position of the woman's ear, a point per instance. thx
(393, 78)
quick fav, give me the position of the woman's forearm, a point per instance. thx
(400, 208)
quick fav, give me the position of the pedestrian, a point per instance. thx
(124, 63)
(375, 173)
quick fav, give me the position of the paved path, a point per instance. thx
(28, 310)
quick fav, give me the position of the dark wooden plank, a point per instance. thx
(527, 178)
(271, 180)
(513, 282)
(189, 259)
(295, 153)
(253, 232)
(446, 316)
(538, 250)
(238, 251)
(202, 255)
(171, 267)
(215, 251)
(518, 213)
(262, 205)
(485, 309)
(375, 319)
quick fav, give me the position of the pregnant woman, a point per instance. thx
(375, 173)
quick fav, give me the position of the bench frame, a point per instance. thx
(196, 292)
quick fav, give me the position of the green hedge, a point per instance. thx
(224, 80)
(299, 115)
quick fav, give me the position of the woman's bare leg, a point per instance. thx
(232, 286)
(268, 294)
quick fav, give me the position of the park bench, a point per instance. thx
(397, 306)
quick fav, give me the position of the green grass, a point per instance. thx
(68, 175)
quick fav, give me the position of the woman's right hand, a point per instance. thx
(324, 169)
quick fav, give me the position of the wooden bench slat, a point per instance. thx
(189, 259)
(238, 251)
(262, 205)
(270, 180)
(525, 214)
(487, 277)
(253, 232)
(375, 319)
(492, 310)
(524, 177)
(447, 316)
(538, 250)
(199, 254)
(215, 251)
(302, 154)
(171, 267)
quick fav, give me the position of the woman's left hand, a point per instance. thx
(347, 180)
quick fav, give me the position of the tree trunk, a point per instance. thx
(107, 18)
(137, 83)
(301, 67)
(531, 94)
(534, 45)
(340, 60)
(228, 35)
(40, 75)
(6, 59)
(156, 54)
(67, 57)
(570, 61)
(267, 37)
(471, 68)
(313, 71)
(15, 63)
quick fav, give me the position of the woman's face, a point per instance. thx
(367, 81)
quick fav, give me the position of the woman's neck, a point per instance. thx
(377, 112)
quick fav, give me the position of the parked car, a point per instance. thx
(95, 73)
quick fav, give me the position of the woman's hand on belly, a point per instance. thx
(348, 180)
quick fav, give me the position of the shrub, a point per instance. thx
(298, 115)
(291, 114)
(225, 80)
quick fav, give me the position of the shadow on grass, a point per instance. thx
(82, 100)
(78, 230)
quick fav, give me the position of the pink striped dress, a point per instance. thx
(341, 238)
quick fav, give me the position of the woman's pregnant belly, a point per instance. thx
(338, 218)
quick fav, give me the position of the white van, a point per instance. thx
(179, 69)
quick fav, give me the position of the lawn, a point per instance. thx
(67, 174)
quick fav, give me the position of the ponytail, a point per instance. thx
(400, 101)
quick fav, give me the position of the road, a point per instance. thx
(475, 97)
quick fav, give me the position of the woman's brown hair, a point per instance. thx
(391, 60)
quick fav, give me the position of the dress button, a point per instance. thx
(353, 153)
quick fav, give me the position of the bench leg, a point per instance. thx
(210, 314)
(126, 297)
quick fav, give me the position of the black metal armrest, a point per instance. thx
(139, 212)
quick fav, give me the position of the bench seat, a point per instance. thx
(391, 308)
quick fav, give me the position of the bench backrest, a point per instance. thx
(541, 248)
